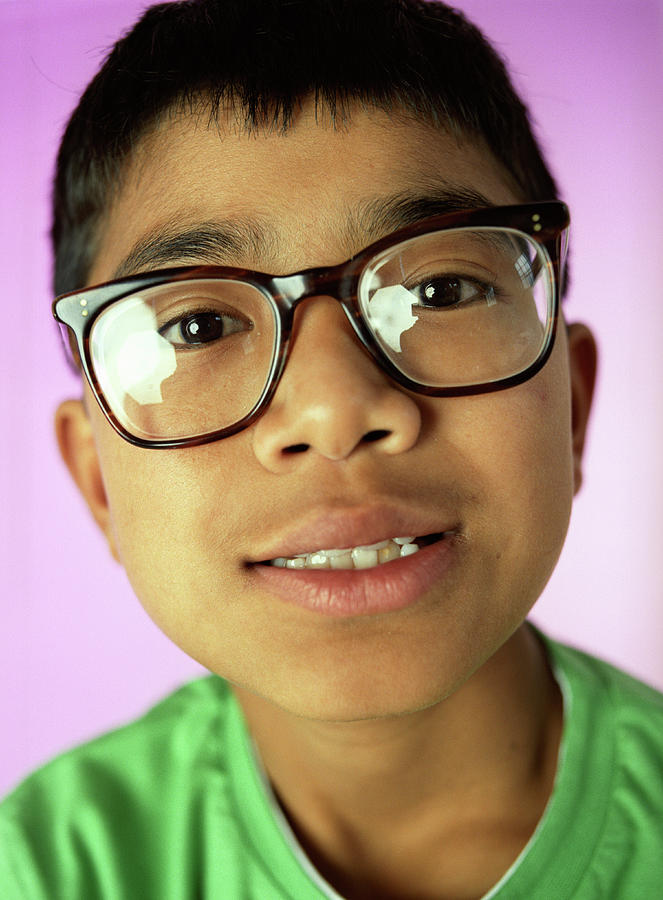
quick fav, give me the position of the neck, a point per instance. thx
(487, 754)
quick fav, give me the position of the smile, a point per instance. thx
(361, 557)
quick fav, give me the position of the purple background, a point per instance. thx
(77, 653)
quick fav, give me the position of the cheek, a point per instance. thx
(530, 475)
(176, 521)
(537, 465)
(511, 450)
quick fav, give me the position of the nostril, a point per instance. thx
(296, 448)
(371, 436)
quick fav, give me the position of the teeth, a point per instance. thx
(317, 561)
(341, 560)
(409, 549)
(365, 557)
(391, 551)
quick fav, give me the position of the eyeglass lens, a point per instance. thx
(449, 308)
(459, 307)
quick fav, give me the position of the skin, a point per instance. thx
(416, 747)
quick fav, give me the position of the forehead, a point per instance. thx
(312, 195)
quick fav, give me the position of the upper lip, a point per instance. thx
(353, 527)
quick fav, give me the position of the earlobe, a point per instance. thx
(583, 363)
(78, 450)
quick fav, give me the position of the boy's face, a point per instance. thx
(187, 524)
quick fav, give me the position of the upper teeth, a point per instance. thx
(352, 557)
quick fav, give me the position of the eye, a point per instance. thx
(443, 292)
(201, 327)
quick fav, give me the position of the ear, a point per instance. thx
(582, 362)
(78, 450)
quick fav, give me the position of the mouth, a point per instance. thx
(363, 580)
(360, 557)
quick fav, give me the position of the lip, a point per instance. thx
(385, 588)
(358, 527)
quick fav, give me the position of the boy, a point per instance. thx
(341, 485)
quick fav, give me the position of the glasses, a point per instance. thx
(464, 303)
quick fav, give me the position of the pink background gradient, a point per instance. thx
(78, 655)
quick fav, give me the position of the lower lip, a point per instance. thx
(360, 592)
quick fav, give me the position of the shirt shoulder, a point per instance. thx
(636, 708)
(176, 726)
(71, 817)
(612, 779)
(170, 807)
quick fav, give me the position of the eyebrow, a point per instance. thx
(230, 240)
(217, 242)
(381, 215)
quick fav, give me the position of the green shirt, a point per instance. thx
(174, 806)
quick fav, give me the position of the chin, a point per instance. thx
(364, 690)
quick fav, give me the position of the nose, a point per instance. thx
(332, 400)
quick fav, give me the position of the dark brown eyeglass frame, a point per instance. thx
(546, 223)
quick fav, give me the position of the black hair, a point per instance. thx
(263, 57)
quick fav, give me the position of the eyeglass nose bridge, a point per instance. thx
(339, 283)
